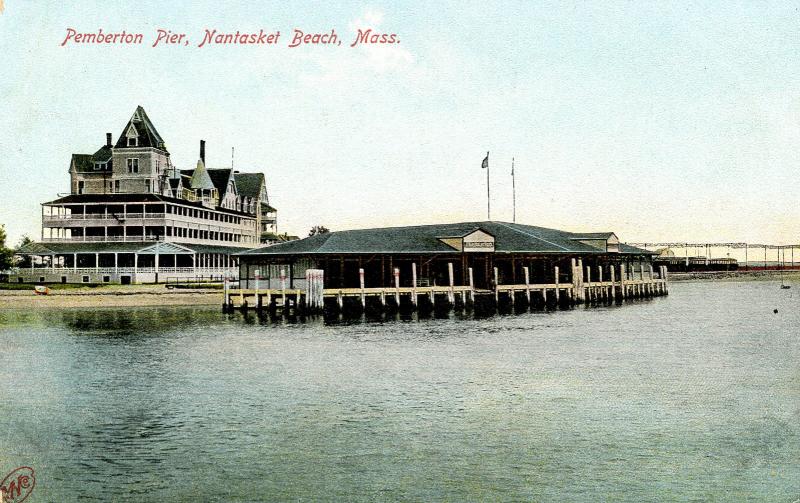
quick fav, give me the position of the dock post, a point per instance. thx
(581, 291)
(558, 294)
(414, 284)
(601, 289)
(588, 289)
(666, 280)
(544, 296)
(622, 281)
(574, 295)
(527, 285)
(269, 299)
(340, 300)
(361, 284)
(283, 287)
(258, 297)
(471, 287)
(383, 297)
(451, 295)
(496, 291)
(225, 298)
(611, 290)
(397, 287)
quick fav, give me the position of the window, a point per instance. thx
(81, 186)
(85, 279)
(133, 165)
(147, 186)
(132, 142)
(116, 185)
(106, 279)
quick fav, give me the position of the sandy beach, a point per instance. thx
(110, 296)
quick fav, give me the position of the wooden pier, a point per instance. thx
(608, 285)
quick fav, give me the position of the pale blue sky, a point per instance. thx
(668, 121)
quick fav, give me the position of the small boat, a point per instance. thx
(785, 287)
(41, 290)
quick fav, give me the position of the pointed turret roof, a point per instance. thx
(200, 178)
(140, 125)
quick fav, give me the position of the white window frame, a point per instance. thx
(133, 164)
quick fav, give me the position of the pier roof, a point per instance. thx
(428, 239)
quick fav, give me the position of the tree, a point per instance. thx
(6, 254)
(318, 229)
(25, 261)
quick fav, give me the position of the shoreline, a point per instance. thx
(759, 275)
(110, 296)
(158, 295)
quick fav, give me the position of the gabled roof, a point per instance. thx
(249, 184)
(84, 163)
(200, 177)
(509, 238)
(220, 179)
(103, 154)
(147, 134)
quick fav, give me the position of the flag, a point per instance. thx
(485, 163)
(512, 166)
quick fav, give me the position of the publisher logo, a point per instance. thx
(17, 485)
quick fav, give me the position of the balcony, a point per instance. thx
(100, 216)
(103, 239)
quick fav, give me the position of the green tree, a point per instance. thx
(6, 254)
(25, 261)
(318, 229)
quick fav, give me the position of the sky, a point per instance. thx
(660, 121)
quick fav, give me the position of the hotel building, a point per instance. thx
(133, 217)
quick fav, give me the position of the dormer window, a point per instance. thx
(132, 142)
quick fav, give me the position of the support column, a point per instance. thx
(613, 287)
(558, 293)
(413, 283)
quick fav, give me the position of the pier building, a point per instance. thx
(448, 263)
(133, 217)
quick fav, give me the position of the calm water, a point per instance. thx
(693, 397)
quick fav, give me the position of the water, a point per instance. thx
(692, 397)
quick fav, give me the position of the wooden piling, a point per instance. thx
(496, 284)
(414, 284)
(451, 295)
(527, 285)
(471, 287)
(397, 287)
(557, 287)
(361, 284)
(611, 291)
(588, 289)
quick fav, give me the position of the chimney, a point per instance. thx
(108, 140)
(203, 151)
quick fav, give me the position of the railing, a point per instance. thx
(103, 216)
(101, 239)
(205, 271)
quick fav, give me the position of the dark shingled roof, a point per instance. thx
(249, 184)
(84, 163)
(509, 238)
(220, 178)
(148, 136)
(83, 247)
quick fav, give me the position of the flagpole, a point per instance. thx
(488, 193)
(513, 192)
